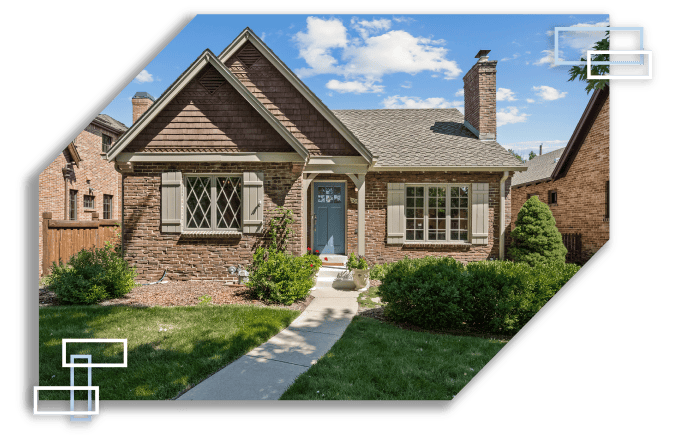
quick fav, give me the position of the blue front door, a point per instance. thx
(329, 210)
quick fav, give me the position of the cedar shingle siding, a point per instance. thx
(288, 105)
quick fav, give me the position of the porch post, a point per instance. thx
(306, 182)
(359, 181)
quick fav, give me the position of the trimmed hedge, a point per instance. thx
(280, 277)
(493, 296)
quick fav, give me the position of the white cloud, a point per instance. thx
(406, 85)
(549, 93)
(316, 43)
(144, 76)
(356, 87)
(510, 115)
(459, 92)
(416, 102)
(549, 58)
(369, 58)
(523, 148)
(531, 101)
(514, 56)
(365, 28)
(505, 95)
(403, 19)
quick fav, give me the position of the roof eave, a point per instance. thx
(496, 168)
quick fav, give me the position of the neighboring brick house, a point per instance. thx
(237, 135)
(574, 181)
(80, 181)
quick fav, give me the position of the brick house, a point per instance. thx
(237, 135)
(80, 181)
(574, 181)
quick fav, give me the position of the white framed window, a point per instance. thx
(212, 202)
(437, 213)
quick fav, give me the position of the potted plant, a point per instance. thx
(359, 269)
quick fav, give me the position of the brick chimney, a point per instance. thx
(479, 87)
(141, 102)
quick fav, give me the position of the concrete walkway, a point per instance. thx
(267, 371)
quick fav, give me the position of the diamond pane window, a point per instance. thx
(198, 202)
(228, 202)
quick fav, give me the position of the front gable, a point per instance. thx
(208, 115)
(289, 100)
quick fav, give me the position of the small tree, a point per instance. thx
(536, 237)
(511, 151)
(531, 155)
(580, 72)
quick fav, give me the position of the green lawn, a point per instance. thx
(377, 361)
(169, 348)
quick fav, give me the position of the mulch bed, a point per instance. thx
(184, 293)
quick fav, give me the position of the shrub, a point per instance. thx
(425, 292)
(279, 277)
(379, 271)
(536, 239)
(356, 262)
(91, 276)
(492, 296)
(502, 296)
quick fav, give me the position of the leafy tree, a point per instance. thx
(511, 151)
(536, 239)
(531, 155)
(580, 72)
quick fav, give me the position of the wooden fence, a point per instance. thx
(574, 246)
(61, 239)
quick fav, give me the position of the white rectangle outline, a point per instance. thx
(72, 383)
(65, 388)
(559, 62)
(82, 365)
(648, 53)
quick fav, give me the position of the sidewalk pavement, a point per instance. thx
(268, 370)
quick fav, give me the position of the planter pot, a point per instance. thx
(360, 277)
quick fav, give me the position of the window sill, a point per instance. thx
(212, 233)
(437, 243)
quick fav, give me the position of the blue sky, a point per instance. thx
(405, 61)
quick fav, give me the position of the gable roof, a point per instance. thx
(424, 138)
(247, 35)
(205, 58)
(540, 168)
(580, 133)
(110, 123)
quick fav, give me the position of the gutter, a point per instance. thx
(501, 241)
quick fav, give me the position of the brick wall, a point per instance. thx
(581, 194)
(479, 86)
(205, 258)
(102, 176)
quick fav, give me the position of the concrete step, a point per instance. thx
(333, 259)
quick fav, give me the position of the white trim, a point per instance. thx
(249, 35)
(206, 57)
(346, 211)
(452, 168)
(335, 169)
(209, 157)
(337, 160)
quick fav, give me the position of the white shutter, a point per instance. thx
(395, 217)
(253, 202)
(171, 201)
(480, 217)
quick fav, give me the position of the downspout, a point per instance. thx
(121, 214)
(501, 241)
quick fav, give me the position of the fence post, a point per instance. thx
(46, 216)
(94, 218)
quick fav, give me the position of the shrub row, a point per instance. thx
(493, 296)
(280, 277)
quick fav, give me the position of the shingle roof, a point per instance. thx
(423, 137)
(540, 168)
(111, 122)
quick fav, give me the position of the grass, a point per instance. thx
(169, 348)
(365, 298)
(377, 361)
